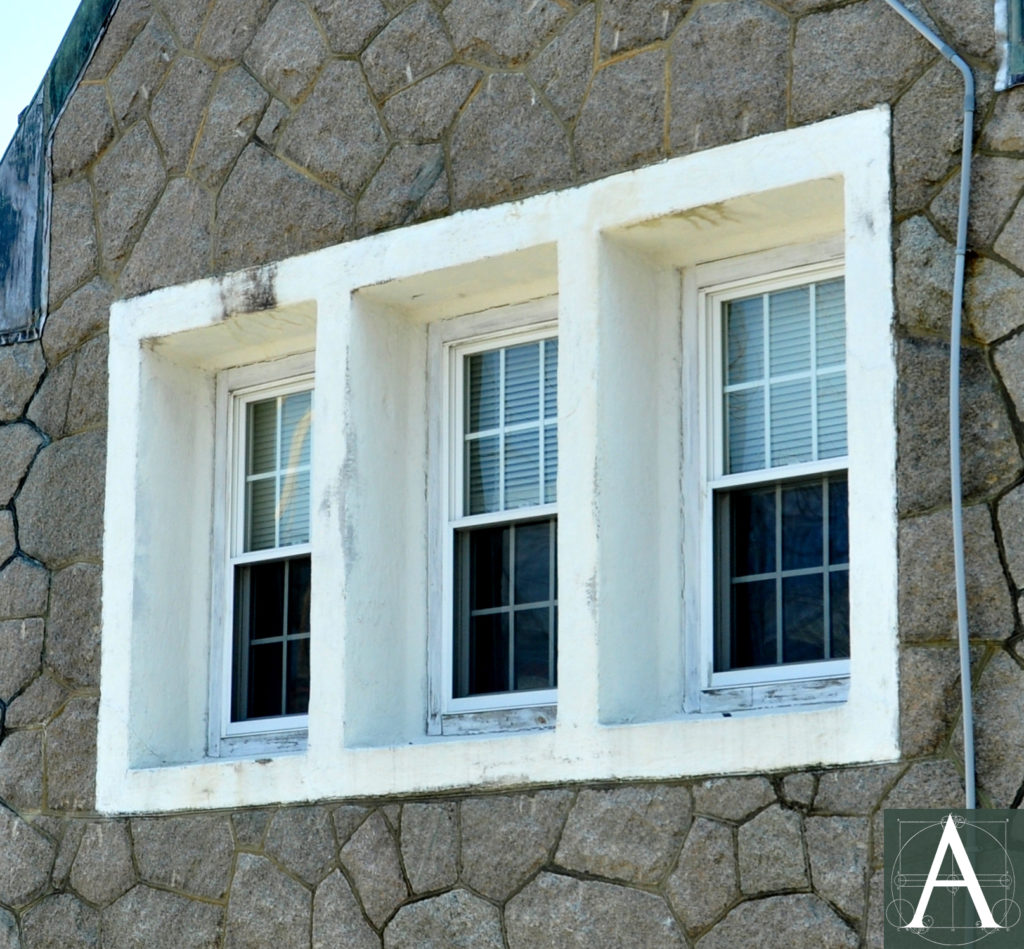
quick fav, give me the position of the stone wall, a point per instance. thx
(209, 135)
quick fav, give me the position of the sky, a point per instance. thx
(31, 33)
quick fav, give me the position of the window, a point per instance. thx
(1010, 22)
(502, 527)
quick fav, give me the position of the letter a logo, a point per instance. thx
(968, 878)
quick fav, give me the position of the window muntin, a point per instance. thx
(504, 606)
(270, 564)
(779, 484)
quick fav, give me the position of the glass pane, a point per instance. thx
(532, 650)
(753, 624)
(294, 509)
(265, 678)
(802, 526)
(752, 530)
(482, 390)
(482, 484)
(550, 378)
(297, 685)
(533, 563)
(488, 566)
(745, 429)
(522, 468)
(839, 611)
(298, 595)
(261, 603)
(296, 429)
(744, 321)
(550, 464)
(832, 416)
(789, 316)
(262, 436)
(791, 422)
(803, 618)
(838, 528)
(522, 383)
(261, 511)
(830, 323)
(488, 654)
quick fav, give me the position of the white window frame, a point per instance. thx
(451, 342)
(237, 388)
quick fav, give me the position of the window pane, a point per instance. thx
(839, 609)
(262, 514)
(297, 686)
(753, 624)
(789, 315)
(832, 416)
(830, 323)
(262, 436)
(296, 429)
(550, 378)
(488, 654)
(791, 422)
(532, 649)
(522, 468)
(533, 563)
(298, 595)
(752, 530)
(294, 506)
(482, 476)
(803, 618)
(802, 526)
(745, 429)
(264, 685)
(482, 390)
(262, 584)
(745, 340)
(838, 528)
(550, 464)
(522, 383)
(488, 566)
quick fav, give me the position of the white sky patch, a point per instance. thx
(28, 41)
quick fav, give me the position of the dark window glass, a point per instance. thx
(801, 526)
(753, 611)
(753, 531)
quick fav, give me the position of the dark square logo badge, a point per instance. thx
(951, 878)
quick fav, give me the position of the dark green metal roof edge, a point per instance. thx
(74, 51)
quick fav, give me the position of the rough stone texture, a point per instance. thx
(250, 827)
(927, 593)
(297, 214)
(67, 851)
(85, 129)
(346, 819)
(8, 931)
(73, 629)
(564, 67)
(704, 883)
(799, 788)
(20, 369)
(990, 455)
(1003, 130)
(60, 508)
(301, 838)
(336, 132)
(266, 908)
(60, 920)
(272, 122)
(21, 645)
(71, 757)
(337, 918)
(37, 704)
(177, 109)
(230, 28)
(73, 243)
(506, 144)
(996, 183)
(837, 849)
(627, 24)
(185, 18)
(630, 833)
(621, 124)
(81, 315)
(924, 277)
(497, 33)
(558, 912)
(103, 869)
(349, 25)
(1011, 524)
(8, 540)
(49, 407)
(191, 854)
(235, 110)
(23, 589)
(422, 112)
(132, 17)
(929, 698)
(372, 861)
(430, 846)
(175, 245)
(287, 51)
(18, 446)
(408, 48)
(854, 790)
(410, 185)
(456, 919)
(712, 101)
(87, 403)
(154, 919)
(800, 921)
(21, 770)
(733, 799)
(851, 58)
(771, 853)
(991, 299)
(128, 179)
(140, 71)
(25, 869)
(506, 839)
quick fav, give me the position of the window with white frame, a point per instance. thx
(778, 460)
(267, 585)
(501, 532)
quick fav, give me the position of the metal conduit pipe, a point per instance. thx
(954, 389)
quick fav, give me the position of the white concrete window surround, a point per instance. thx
(621, 256)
